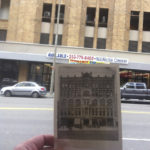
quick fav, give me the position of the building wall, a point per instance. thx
(23, 71)
(3, 24)
(25, 22)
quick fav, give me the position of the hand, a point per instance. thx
(42, 142)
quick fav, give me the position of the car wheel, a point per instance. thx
(35, 95)
(7, 93)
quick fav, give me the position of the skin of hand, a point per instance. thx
(41, 142)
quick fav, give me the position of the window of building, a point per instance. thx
(40, 73)
(47, 11)
(59, 42)
(44, 38)
(62, 13)
(3, 34)
(8, 72)
(134, 20)
(133, 46)
(103, 17)
(146, 21)
(101, 43)
(4, 9)
(146, 47)
(90, 16)
(88, 42)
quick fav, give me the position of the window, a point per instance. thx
(133, 46)
(3, 34)
(47, 10)
(29, 84)
(140, 86)
(101, 43)
(61, 16)
(134, 20)
(9, 70)
(44, 38)
(88, 42)
(146, 47)
(90, 16)
(78, 102)
(146, 21)
(103, 17)
(20, 85)
(59, 42)
(130, 86)
(4, 9)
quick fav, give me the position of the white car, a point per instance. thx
(25, 88)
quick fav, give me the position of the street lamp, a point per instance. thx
(55, 50)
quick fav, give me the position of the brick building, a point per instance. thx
(114, 29)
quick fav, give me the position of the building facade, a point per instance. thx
(116, 28)
(86, 102)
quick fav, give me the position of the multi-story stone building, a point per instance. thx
(87, 101)
(116, 29)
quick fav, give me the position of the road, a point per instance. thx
(22, 118)
(136, 126)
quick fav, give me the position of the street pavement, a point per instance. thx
(22, 118)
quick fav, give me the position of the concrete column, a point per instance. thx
(110, 24)
(52, 22)
(140, 38)
(117, 25)
(66, 22)
(127, 25)
(72, 27)
(82, 23)
(96, 25)
(23, 71)
(13, 20)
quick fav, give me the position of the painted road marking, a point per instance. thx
(52, 109)
(22, 108)
(134, 139)
(135, 112)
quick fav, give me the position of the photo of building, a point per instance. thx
(115, 29)
(87, 102)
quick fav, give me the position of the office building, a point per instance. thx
(116, 31)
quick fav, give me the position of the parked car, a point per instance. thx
(7, 82)
(25, 88)
(135, 90)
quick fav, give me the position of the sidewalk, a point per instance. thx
(49, 96)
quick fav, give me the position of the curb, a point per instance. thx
(49, 96)
(136, 101)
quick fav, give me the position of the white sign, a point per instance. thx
(89, 58)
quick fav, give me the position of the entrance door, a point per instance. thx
(40, 73)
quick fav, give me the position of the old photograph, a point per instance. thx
(87, 103)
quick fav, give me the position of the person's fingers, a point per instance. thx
(42, 140)
(37, 143)
(49, 140)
